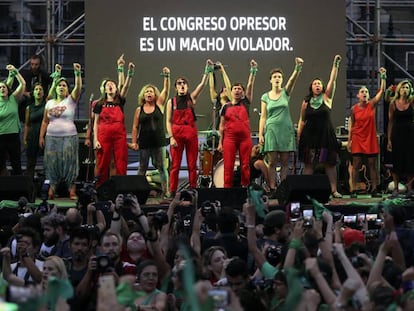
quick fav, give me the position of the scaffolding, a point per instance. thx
(53, 29)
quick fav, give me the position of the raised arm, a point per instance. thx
(331, 86)
(121, 75)
(250, 213)
(125, 87)
(294, 76)
(18, 93)
(197, 91)
(165, 92)
(77, 90)
(251, 79)
(212, 86)
(383, 76)
(226, 80)
(55, 76)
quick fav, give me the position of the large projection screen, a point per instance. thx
(182, 34)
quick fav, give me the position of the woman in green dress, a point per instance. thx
(276, 131)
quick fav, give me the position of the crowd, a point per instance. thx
(203, 256)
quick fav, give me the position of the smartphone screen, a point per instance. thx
(220, 297)
(361, 217)
(294, 211)
(350, 219)
(371, 217)
(307, 214)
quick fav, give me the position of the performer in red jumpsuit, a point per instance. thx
(109, 128)
(182, 129)
(235, 134)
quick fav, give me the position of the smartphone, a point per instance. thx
(361, 217)
(307, 214)
(107, 287)
(350, 219)
(294, 211)
(220, 297)
(371, 217)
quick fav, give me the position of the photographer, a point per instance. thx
(134, 248)
(150, 227)
(111, 244)
(27, 270)
(94, 217)
(127, 206)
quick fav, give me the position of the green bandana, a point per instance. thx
(316, 102)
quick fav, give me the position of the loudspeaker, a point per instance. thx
(231, 197)
(135, 184)
(295, 188)
(15, 186)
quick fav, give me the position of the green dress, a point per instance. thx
(35, 119)
(279, 132)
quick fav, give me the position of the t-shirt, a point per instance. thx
(61, 117)
(9, 116)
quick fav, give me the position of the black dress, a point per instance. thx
(402, 139)
(35, 119)
(318, 142)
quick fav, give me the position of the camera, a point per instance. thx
(87, 194)
(128, 199)
(187, 195)
(103, 263)
(210, 208)
(274, 254)
(159, 219)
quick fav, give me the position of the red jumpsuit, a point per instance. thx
(184, 131)
(237, 137)
(112, 137)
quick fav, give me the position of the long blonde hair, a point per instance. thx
(60, 266)
(141, 96)
(398, 88)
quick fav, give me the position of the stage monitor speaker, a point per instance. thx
(295, 188)
(135, 184)
(15, 186)
(231, 197)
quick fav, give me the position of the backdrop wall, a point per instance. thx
(182, 34)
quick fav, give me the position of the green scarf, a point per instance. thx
(316, 102)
